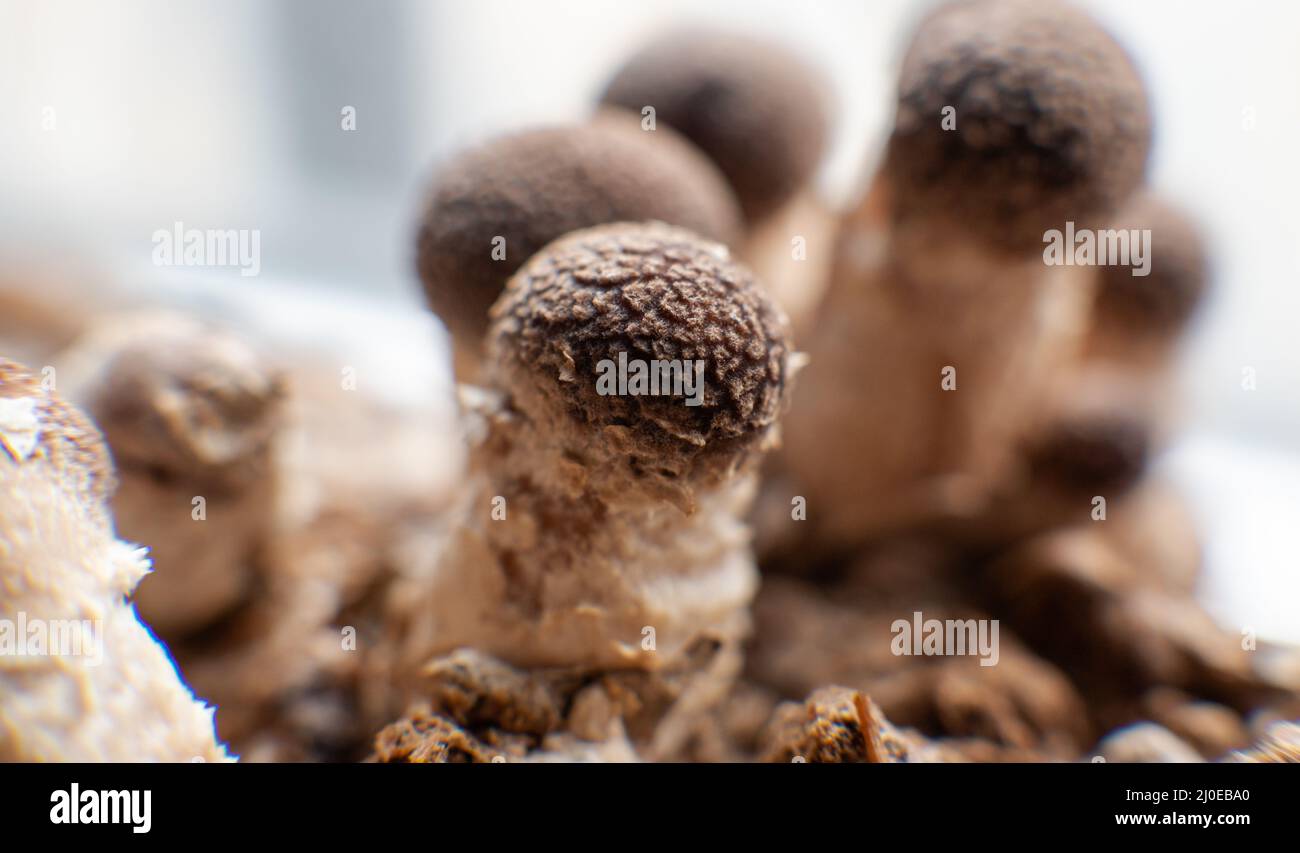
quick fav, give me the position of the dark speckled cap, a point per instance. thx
(754, 107)
(532, 187)
(654, 293)
(1052, 122)
(38, 428)
(1097, 453)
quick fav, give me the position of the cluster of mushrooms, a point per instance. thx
(905, 411)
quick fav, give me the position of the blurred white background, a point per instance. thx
(227, 115)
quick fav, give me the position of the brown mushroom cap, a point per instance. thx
(1105, 428)
(1103, 453)
(188, 402)
(1052, 122)
(652, 292)
(754, 107)
(532, 187)
(38, 427)
(1162, 302)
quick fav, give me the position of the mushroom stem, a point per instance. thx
(602, 531)
(942, 327)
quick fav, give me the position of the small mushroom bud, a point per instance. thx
(1109, 409)
(1097, 453)
(1143, 307)
(91, 683)
(761, 114)
(191, 414)
(492, 207)
(942, 328)
(600, 528)
(756, 109)
(1097, 442)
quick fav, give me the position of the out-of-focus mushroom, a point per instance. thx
(492, 207)
(91, 683)
(191, 414)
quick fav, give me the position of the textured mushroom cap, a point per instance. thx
(532, 187)
(36, 426)
(652, 292)
(754, 107)
(1161, 302)
(1052, 122)
(180, 400)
